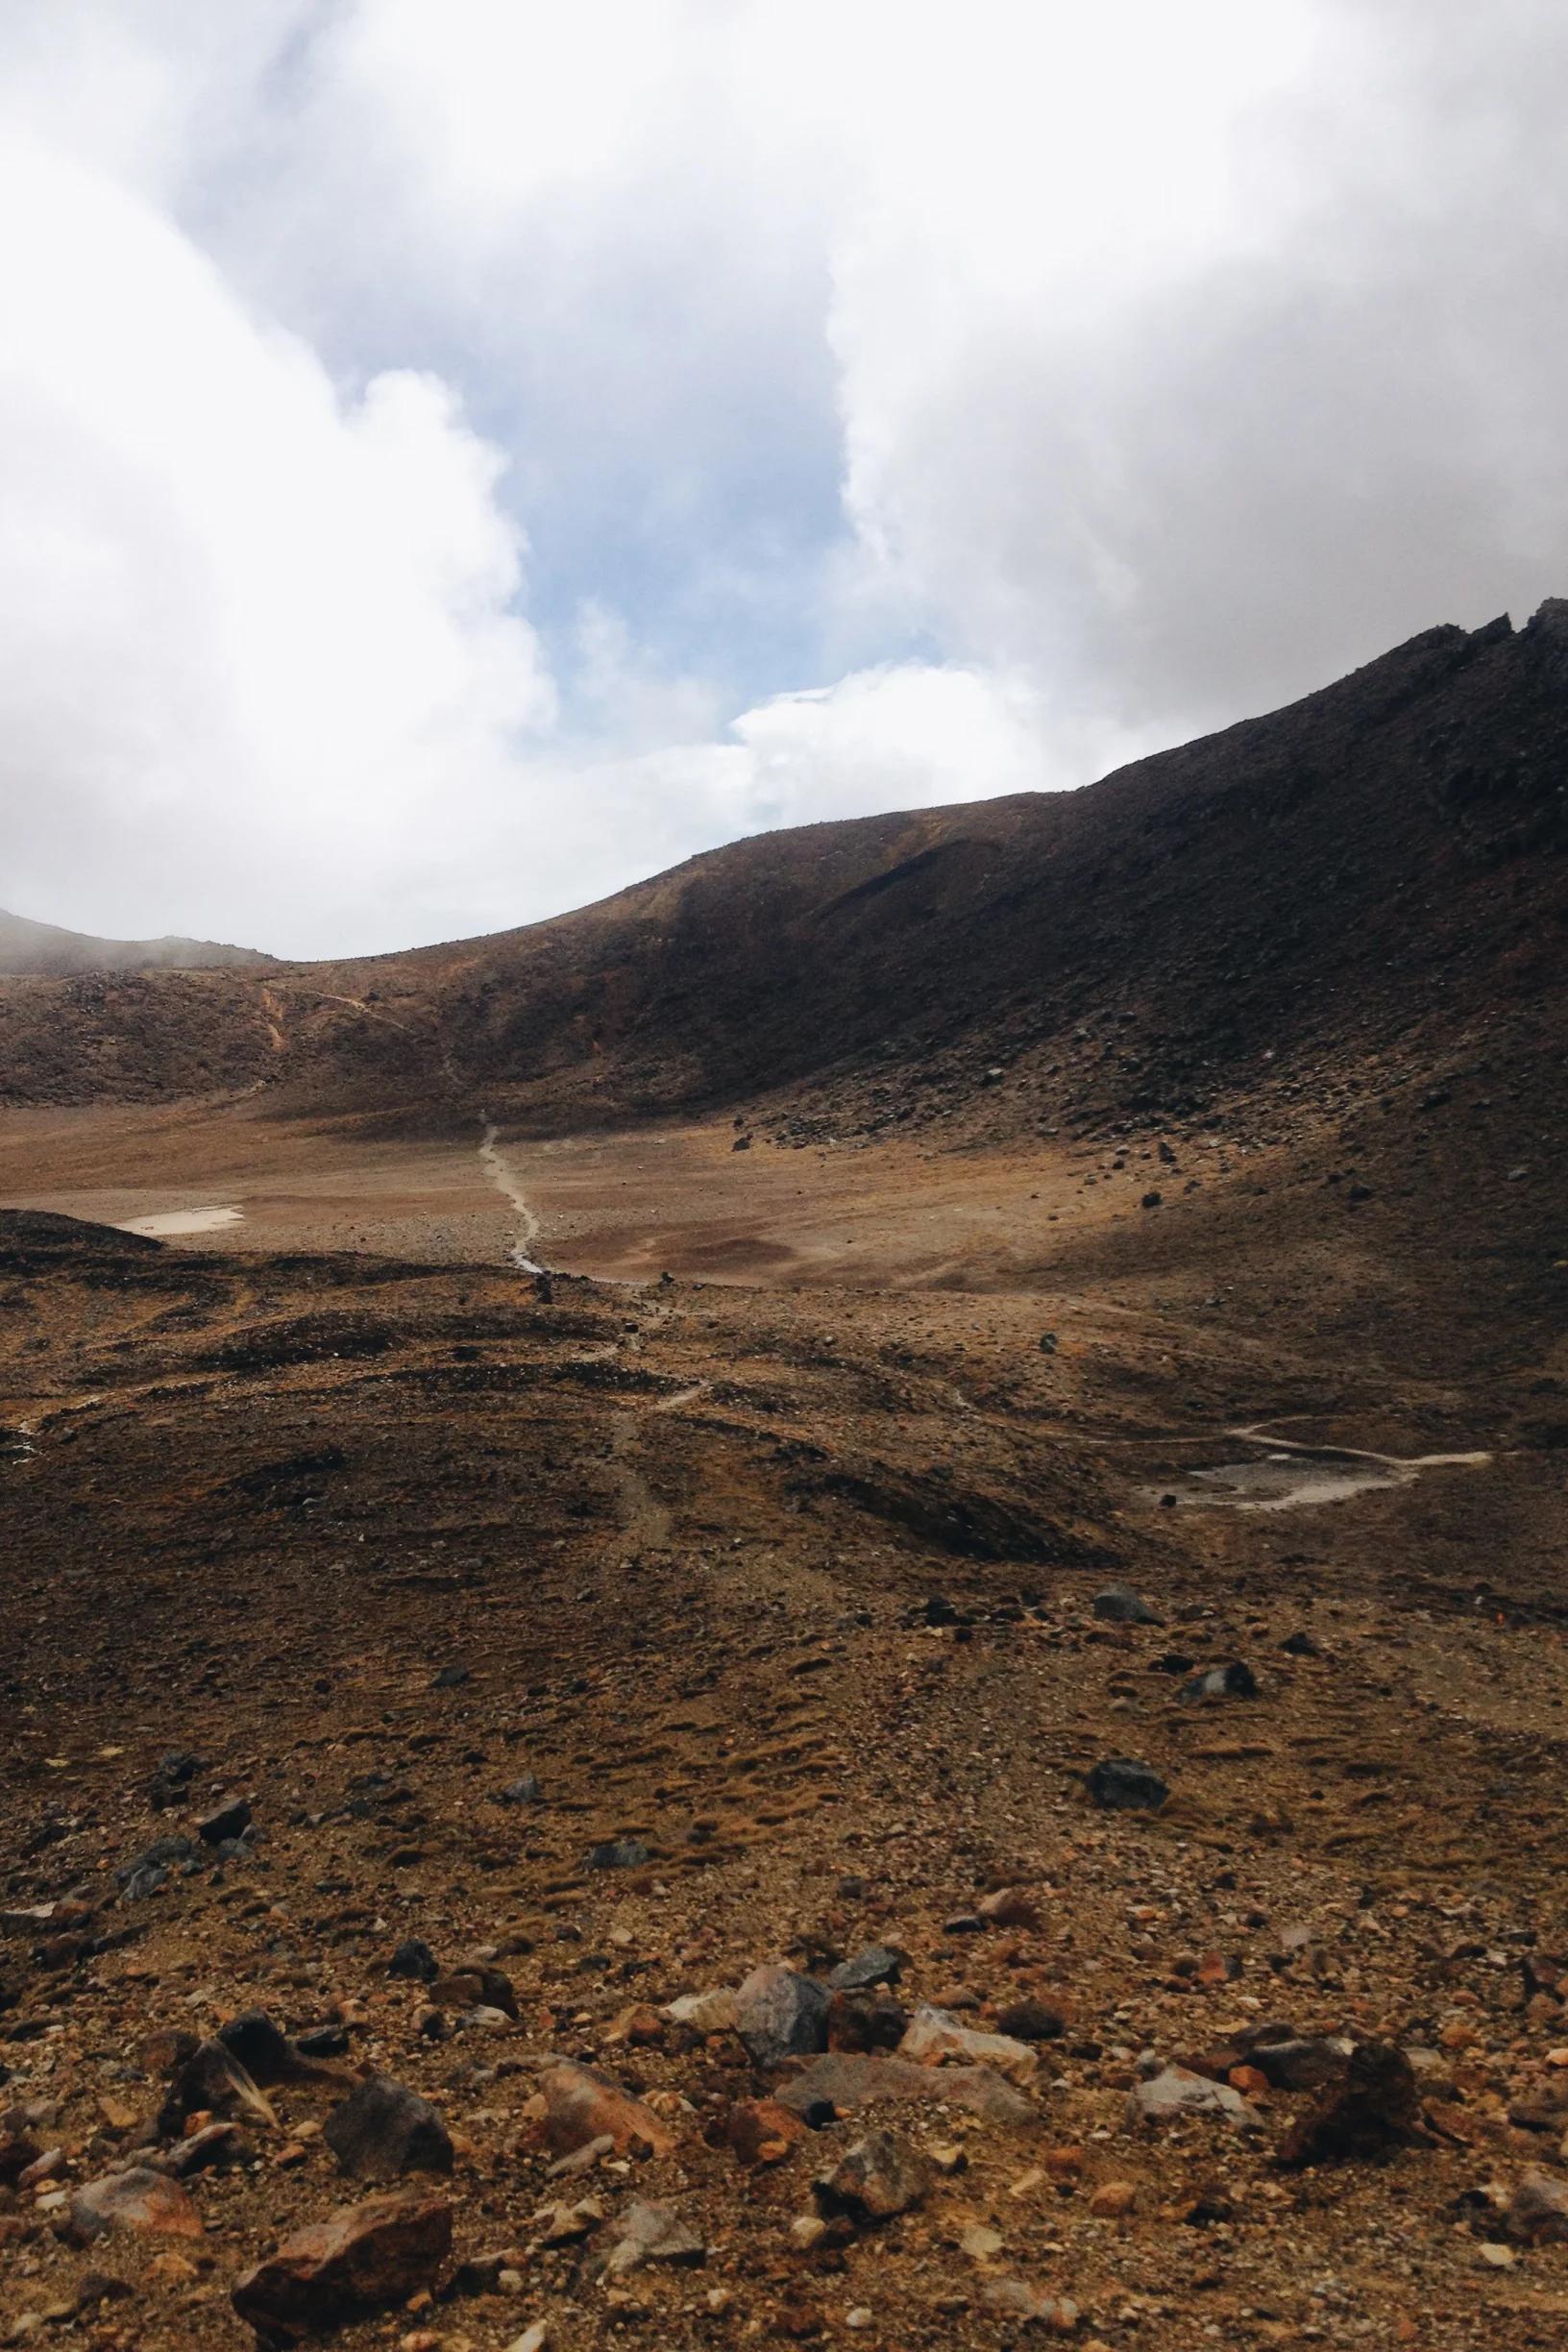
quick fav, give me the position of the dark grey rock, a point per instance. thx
(781, 2015)
(415, 1961)
(877, 1964)
(384, 2129)
(617, 1853)
(1122, 1784)
(228, 1821)
(1119, 1604)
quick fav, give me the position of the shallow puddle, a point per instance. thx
(172, 1221)
(1294, 1479)
(1283, 1481)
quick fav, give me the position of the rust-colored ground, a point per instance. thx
(678, 1542)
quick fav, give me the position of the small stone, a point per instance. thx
(1032, 2020)
(264, 2050)
(563, 2224)
(934, 2037)
(415, 1961)
(879, 1964)
(980, 2241)
(617, 1853)
(1125, 1784)
(382, 2129)
(1538, 2209)
(1009, 1907)
(1017, 2299)
(523, 1791)
(706, 2013)
(808, 2230)
(879, 2176)
(847, 2081)
(762, 2132)
(1177, 2093)
(213, 2081)
(1237, 1680)
(228, 1819)
(1114, 2199)
(475, 1986)
(1378, 2108)
(1119, 1604)
(533, 2338)
(645, 2233)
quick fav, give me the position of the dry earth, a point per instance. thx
(782, 1574)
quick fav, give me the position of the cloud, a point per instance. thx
(455, 458)
(253, 623)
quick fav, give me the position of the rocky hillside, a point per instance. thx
(1370, 872)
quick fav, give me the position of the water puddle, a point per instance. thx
(170, 1222)
(1295, 1477)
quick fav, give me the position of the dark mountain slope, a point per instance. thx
(1377, 869)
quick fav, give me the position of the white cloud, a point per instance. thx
(252, 623)
(1056, 381)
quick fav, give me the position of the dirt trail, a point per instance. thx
(500, 1175)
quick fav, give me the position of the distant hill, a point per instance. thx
(36, 949)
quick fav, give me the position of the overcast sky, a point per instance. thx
(458, 457)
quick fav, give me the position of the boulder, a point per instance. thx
(363, 2258)
(137, 2201)
(781, 2015)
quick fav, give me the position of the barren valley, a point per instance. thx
(826, 1607)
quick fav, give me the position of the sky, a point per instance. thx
(460, 456)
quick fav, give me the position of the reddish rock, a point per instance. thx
(362, 2257)
(762, 2132)
(140, 2201)
(582, 2105)
(1378, 2110)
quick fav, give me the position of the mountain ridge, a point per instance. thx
(1379, 861)
(31, 950)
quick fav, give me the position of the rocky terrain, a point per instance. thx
(954, 1739)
